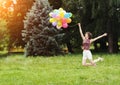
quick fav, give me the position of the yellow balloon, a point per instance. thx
(52, 20)
(62, 14)
(59, 24)
(61, 9)
(69, 20)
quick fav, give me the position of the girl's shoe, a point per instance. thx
(101, 59)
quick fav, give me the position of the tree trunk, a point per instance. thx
(112, 37)
(69, 47)
(113, 43)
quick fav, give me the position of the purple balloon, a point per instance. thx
(54, 23)
(54, 15)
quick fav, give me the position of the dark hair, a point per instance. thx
(89, 34)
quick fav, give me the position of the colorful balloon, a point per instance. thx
(65, 25)
(68, 20)
(52, 20)
(54, 24)
(60, 18)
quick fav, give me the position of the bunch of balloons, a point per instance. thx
(60, 18)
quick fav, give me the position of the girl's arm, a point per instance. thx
(103, 35)
(81, 33)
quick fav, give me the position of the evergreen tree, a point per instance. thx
(38, 34)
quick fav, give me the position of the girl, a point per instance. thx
(86, 47)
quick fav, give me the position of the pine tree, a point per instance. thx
(39, 35)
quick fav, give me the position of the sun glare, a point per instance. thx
(8, 4)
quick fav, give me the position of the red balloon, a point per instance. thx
(64, 20)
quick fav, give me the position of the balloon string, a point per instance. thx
(73, 25)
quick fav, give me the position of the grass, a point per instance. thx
(62, 70)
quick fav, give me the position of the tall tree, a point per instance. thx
(107, 12)
(56, 4)
(113, 25)
(93, 16)
(38, 34)
(4, 36)
(15, 22)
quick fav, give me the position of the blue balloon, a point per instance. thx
(70, 14)
(67, 15)
(56, 11)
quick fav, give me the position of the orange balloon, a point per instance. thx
(69, 20)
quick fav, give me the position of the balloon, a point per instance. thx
(53, 15)
(58, 27)
(61, 14)
(59, 24)
(50, 14)
(54, 23)
(52, 20)
(70, 14)
(64, 20)
(61, 9)
(69, 20)
(65, 25)
(60, 18)
(66, 15)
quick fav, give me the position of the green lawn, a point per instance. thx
(62, 70)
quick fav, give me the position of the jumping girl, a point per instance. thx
(86, 47)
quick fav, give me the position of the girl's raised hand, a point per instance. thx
(79, 24)
(105, 34)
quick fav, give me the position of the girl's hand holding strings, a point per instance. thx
(105, 34)
(79, 24)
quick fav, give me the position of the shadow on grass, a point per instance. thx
(4, 55)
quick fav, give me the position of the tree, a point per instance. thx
(113, 25)
(39, 35)
(107, 12)
(56, 4)
(4, 36)
(98, 16)
(72, 38)
(15, 21)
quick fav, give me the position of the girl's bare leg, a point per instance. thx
(92, 63)
(98, 59)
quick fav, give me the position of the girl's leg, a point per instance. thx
(87, 55)
(88, 64)
(98, 59)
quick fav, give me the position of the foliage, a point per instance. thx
(4, 36)
(15, 22)
(38, 34)
(56, 4)
(13, 11)
(97, 16)
(6, 8)
(62, 70)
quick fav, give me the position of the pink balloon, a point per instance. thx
(65, 25)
